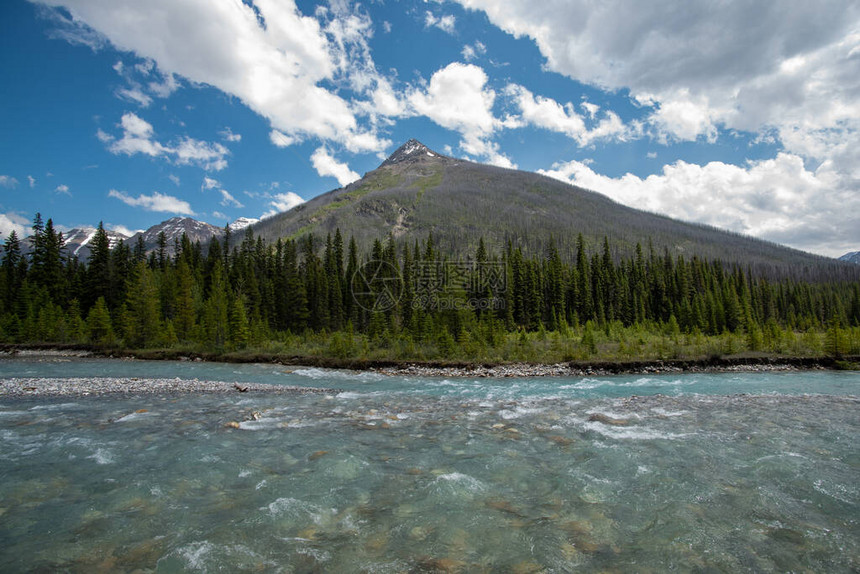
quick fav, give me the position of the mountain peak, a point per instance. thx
(410, 151)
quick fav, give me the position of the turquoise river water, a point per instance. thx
(732, 472)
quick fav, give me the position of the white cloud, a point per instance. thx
(281, 139)
(548, 114)
(786, 71)
(64, 189)
(143, 82)
(122, 229)
(10, 222)
(8, 181)
(457, 98)
(155, 202)
(71, 29)
(209, 183)
(209, 156)
(269, 55)
(326, 164)
(227, 199)
(175, 179)
(791, 66)
(32, 181)
(134, 95)
(228, 135)
(283, 202)
(776, 199)
(139, 137)
(445, 23)
(219, 215)
(472, 51)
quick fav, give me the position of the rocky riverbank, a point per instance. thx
(87, 387)
(573, 370)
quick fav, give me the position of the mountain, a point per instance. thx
(417, 191)
(851, 257)
(242, 223)
(77, 240)
(173, 229)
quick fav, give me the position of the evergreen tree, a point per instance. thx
(99, 329)
(143, 308)
(99, 280)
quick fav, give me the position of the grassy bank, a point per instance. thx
(612, 349)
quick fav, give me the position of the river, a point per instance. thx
(739, 472)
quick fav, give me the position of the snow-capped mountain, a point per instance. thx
(173, 229)
(411, 150)
(242, 223)
(77, 240)
(851, 257)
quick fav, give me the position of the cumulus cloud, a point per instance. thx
(269, 55)
(281, 202)
(8, 181)
(788, 72)
(776, 199)
(63, 189)
(229, 200)
(790, 66)
(32, 181)
(10, 222)
(473, 51)
(122, 229)
(228, 135)
(548, 114)
(445, 23)
(209, 183)
(458, 98)
(281, 139)
(138, 136)
(327, 165)
(155, 202)
(143, 82)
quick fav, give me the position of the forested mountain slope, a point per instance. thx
(416, 192)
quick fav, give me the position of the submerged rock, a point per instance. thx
(601, 418)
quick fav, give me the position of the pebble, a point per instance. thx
(79, 387)
(558, 370)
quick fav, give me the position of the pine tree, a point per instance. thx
(99, 280)
(143, 308)
(239, 330)
(99, 329)
(215, 321)
(184, 319)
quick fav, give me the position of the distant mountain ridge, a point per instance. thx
(417, 192)
(851, 257)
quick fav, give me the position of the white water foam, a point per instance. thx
(338, 375)
(102, 456)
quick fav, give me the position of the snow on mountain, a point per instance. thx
(851, 257)
(76, 241)
(242, 223)
(173, 229)
(411, 150)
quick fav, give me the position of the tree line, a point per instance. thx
(236, 292)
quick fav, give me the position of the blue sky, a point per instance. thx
(742, 115)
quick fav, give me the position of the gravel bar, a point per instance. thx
(563, 370)
(83, 387)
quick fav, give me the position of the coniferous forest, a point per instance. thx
(322, 297)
